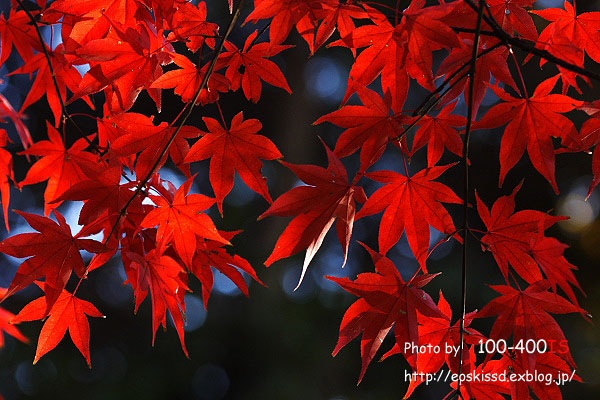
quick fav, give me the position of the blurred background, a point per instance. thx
(277, 344)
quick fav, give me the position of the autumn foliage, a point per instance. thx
(454, 52)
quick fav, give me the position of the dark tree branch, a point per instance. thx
(63, 105)
(466, 191)
(190, 108)
(529, 47)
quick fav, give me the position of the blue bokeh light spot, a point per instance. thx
(323, 78)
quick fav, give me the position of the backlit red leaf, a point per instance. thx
(248, 66)
(6, 174)
(532, 123)
(286, 14)
(237, 148)
(68, 313)
(328, 196)
(385, 300)
(166, 281)
(6, 327)
(369, 127)
(517, 239)
(54, 254)
(61, 167)
(187, 81)
(181, 219)
(189, 24)
(525, 314)
(412, 204)
(212, 254)
(124, 63)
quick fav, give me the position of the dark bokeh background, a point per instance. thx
(277, 344)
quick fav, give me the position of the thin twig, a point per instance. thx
(421, 108)
(263, 30)
(524, 93)
(470, 117)
(139, 187)
(529, 47)
(65, 113)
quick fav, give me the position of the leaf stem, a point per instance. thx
(404, 159)
(445, 239)
(378, 4)
(524, 93)
(221, 115)
(263, 30)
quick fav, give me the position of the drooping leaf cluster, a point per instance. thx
(456, 51)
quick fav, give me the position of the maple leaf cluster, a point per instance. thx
(457, 51)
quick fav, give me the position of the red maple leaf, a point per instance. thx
(189, 24)
(385, 300)
(7, 110)
(187, 80)
(532, 124)
(67, 313)
(589, 136)
(399, 52)
(491, 389)
(382, 55)
(62, 168)
(369, 127)
(237, 148)
(165, 279)
(517, 239)
(286, 14)
(568, 37)
(138, 134)
(512, 16)
(253, 61)
(17, 32)
(6, 173)
(54, 254)
(440, 331)
(509, 235)
(340, 15)
(211, 254)
(422, 32)
(524, 315)
(104, 197)
(436, 331)
(549, 254)
(328, 196)
(180, 219)
(411, 204)
(581, 30)
(86, 21)
(490, 63)
(124, 63)
(439, 133)
(66, 76)
(101, 194)
(6, 327)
